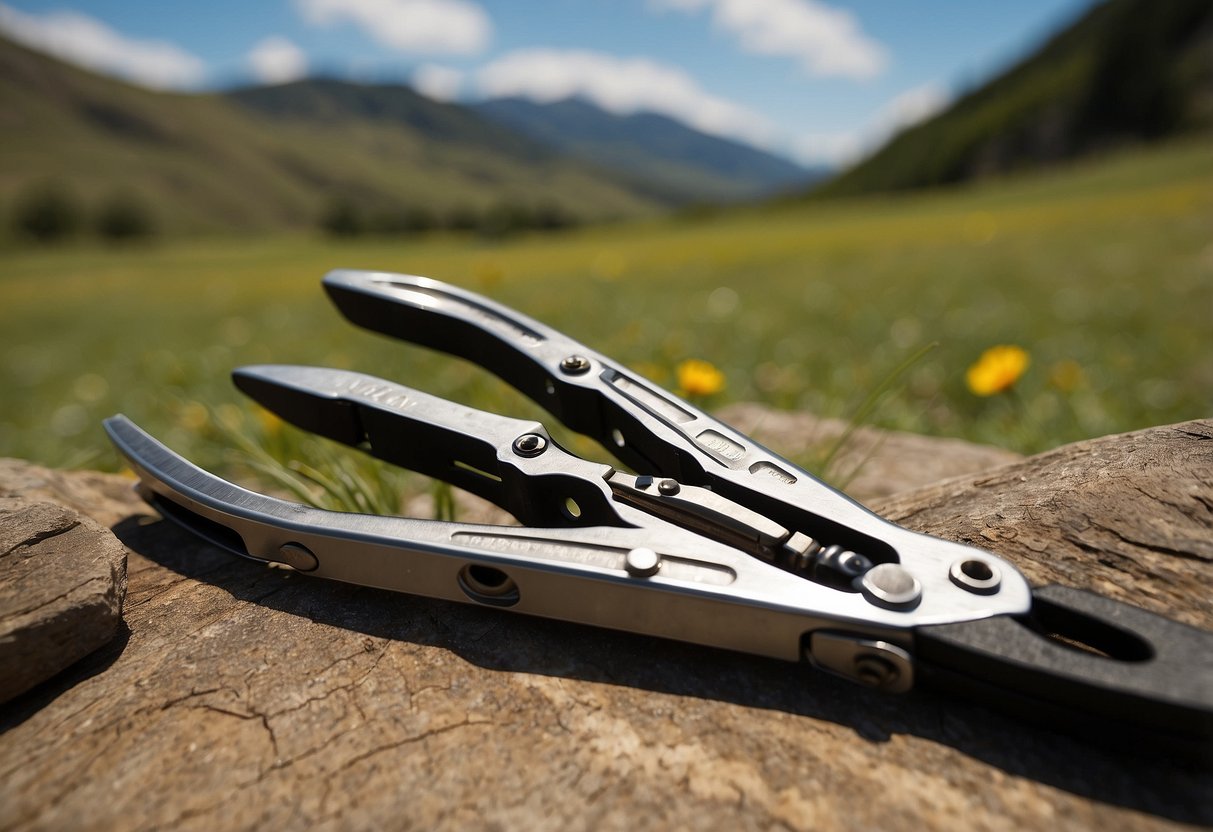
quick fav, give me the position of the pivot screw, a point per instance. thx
(574, 365)
(669, 487)
(890, 586)
(530, 444)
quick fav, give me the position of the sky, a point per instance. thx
(817, 81)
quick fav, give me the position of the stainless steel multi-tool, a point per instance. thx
(714, 540)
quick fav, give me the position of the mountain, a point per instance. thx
(336, 103)
(277, 157)
(1126, 71)
(655, 154)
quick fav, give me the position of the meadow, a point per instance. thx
(1102, 272)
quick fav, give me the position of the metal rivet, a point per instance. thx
(976, 575)
(574, 364)
(641, 563)
(891, 586)
(874, 671)
(669, 487)
(530, 444)
(297, 556)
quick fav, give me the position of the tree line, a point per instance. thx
(50, 212)
(346, 217)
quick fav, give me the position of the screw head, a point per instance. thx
(891, 586)
(874, 671)
(669, 487)
(574, 365)
(642, 562)
(530, 444)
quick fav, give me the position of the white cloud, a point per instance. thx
(912, 106)
(826, 41)
(423, 26)
(841, 148)
(87, 42)
(441, 83)
(620, 85)
(275, 60)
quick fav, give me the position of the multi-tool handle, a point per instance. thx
(646, 427)
(656, 578)
(513, 463)
(655, 432)
(702, 555)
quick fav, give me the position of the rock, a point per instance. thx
(250, 696)
(871, 463)
(103, 497)
(1128, 516)
(62, 581)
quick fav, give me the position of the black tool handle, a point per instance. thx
(1083, 662)
(474, 450)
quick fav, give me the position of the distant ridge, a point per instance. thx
(333, 102)
(275, 157)
(657, 155)
(1126, 71)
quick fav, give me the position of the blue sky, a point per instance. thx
(815, 80)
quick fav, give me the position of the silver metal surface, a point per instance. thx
(724, 517)
(719, 541)
(870, 662)
(705, 592)
(648, 428)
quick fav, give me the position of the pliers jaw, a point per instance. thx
(716, 540)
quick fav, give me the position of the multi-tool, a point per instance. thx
(714, 539)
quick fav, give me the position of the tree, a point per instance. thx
(47, 212)
(342, 218)
(123, 216)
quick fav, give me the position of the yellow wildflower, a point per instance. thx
(997, 370)
(699, 378)
(271, 423)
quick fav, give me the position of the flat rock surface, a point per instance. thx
(249, 696)
(871, 463)
(1128, 516)
(62, 581)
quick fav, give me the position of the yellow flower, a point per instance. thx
(271, 422)
(699, 378)
(997, 370)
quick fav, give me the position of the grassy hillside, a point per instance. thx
(659, 155)
(1102, 274)
(203, 163)
(1127, 71)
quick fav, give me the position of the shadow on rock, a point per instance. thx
(1148, 782)
(19, 709)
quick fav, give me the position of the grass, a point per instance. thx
(1104, 273)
